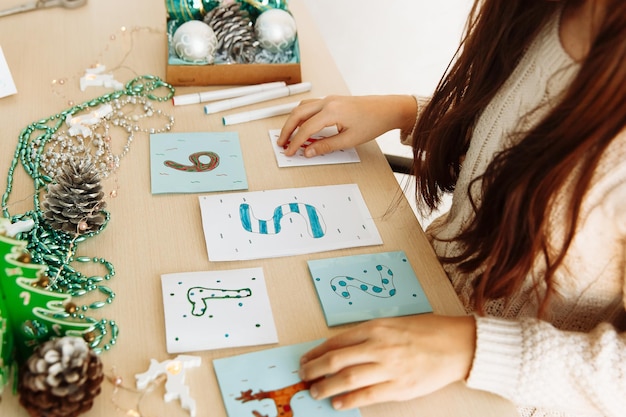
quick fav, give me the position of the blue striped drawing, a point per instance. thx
(315, 223)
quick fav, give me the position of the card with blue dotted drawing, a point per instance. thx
(363, 287)
(266, 383)
(284, 222)
(216, 309)
(196, 162)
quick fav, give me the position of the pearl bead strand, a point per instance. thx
(129, 115)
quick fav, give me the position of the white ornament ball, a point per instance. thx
(275, 30)
(195, 41)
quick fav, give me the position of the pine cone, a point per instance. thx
(74, 203)
(234, 30)
(60, 379)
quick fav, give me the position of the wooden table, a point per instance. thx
(151, 235)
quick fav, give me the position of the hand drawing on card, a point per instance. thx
(363, 287)
(266, 384)
(216, 309)
(314, 221)
(341, 156)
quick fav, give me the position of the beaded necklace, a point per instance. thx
(93, 144)
(57, 249)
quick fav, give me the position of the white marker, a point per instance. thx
(263, 113)
(257, 97)
(195, 98)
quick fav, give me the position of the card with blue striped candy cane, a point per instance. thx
(364, 287)
(272, 223)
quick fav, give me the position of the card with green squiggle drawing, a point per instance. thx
(207, 310)
(196, 162)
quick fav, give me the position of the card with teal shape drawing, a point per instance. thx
(364, 287)
(266, 383)
(284, 222)
(216, 309)
(196, 162)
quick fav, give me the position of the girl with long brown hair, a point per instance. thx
(527, 130)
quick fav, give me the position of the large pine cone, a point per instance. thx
(74, 203)
(60, 379)
(236, 41)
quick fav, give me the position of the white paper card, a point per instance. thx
(7, 86)
(342, 156)
(216, 309)
(264, 224)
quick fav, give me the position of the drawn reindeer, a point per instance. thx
(281, 397)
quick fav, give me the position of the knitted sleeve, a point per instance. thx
(534, 364)
(406, 137)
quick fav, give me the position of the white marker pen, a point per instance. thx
(257, 97)
(263, 113)
(195, 98)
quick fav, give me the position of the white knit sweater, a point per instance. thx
(575, 364)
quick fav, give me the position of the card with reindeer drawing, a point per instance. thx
(196, 162)
(216, 309)
(364, 287)
(266, 384)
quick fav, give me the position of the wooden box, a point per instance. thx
(186, 74)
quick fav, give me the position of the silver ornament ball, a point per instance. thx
(194, 41)
(275, 30)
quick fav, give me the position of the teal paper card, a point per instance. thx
(266, 383)
(196, 162)
(364, 287)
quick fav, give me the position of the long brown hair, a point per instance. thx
(509, 230)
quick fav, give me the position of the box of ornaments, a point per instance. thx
(231, 42)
